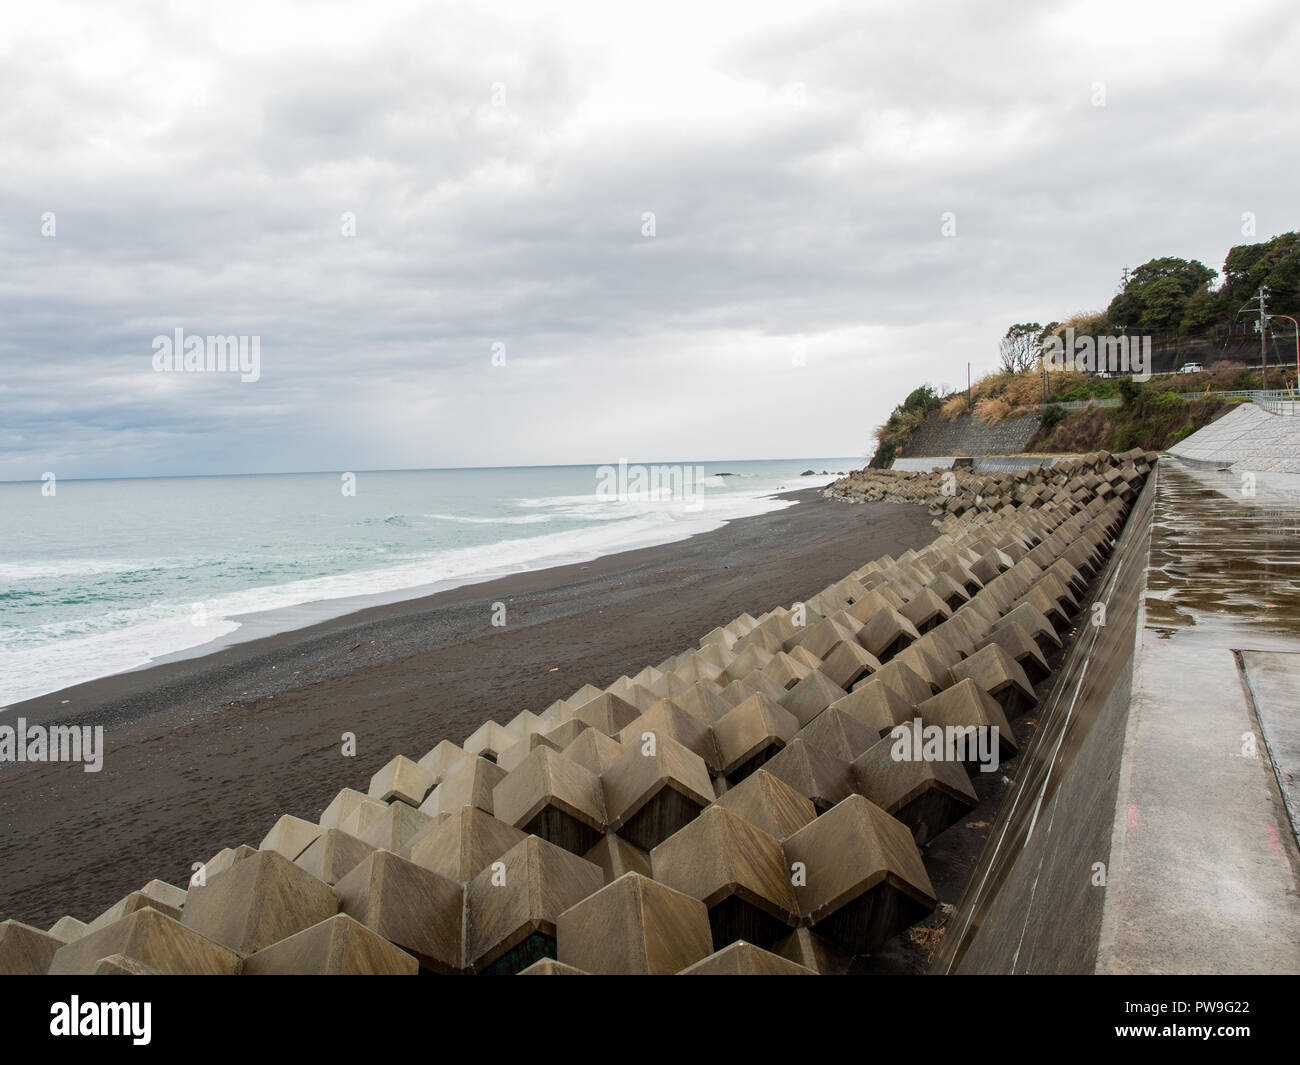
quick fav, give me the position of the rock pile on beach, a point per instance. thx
(736, 808)
(959, 491)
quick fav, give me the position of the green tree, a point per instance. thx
(1157, 293)
(1275, 264)
(1203, 309)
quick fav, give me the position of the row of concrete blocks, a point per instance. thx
(962, 492)
(852, 876)
(761, 771)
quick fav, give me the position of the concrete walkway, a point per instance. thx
(1204, 872)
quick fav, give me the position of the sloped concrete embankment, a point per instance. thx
(1248, 439)
(1035, 900)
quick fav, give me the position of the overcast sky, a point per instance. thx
(500, 159)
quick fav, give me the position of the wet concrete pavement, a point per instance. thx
(1204, 872)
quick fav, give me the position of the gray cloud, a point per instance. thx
(797, 166)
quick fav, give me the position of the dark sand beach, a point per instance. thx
(207, 752)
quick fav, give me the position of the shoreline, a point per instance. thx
(251, 622)
(208, 751)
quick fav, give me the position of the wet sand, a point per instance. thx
(207, 752)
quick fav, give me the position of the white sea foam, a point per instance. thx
(464, 519)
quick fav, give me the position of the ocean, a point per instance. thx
(102, 576)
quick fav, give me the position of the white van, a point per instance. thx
(1191, 367)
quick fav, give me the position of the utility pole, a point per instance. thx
(968, 388)
(1263, 351)
(1263, 325)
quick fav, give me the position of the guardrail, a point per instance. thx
(1257, 395)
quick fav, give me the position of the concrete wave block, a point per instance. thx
(820, 637)
(745, 959)
(360, 817)
(932, 670)
(165, 893)
(926, 796)
(1050, 608)
(561, 735)
(26, 951)
(642, 697)
(152, 939)
(838, 733)
(704, 701)
(615, 857)
(962, 632)
(750, 660)
(68, 929)
(463, 844)
(654, 679)
(965, 705)
(960, 572)
(289, 836)
(1000, 675)
(608, 713)
(332, 855)
(847, 663)
(765, 638)
(755, 684)
(786, 670)
(470, 784)
(737, 870)
(751, 733)
(488, 741)
(811, 696)
(876, 706)
(256, 902)
(925, 610)
(769, 803)
(806, 657)
(863, 880)
(812, 772)
(583, 695)
(886, 633)
(337, 946)
(666, 718)
(870, 602)
(653, 789)
(990, 564)
(550, 796)
(949, 590)
(719, 637)
(224, 859)
(594, 751)
(515, 754)
(403, 780)
(444, 759)
(410, 906)
(395, 827)
(340, 806)
(136, 900)
(513, 904)
(634, 926)
(524, 724)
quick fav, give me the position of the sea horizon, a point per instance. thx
(429, 469)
